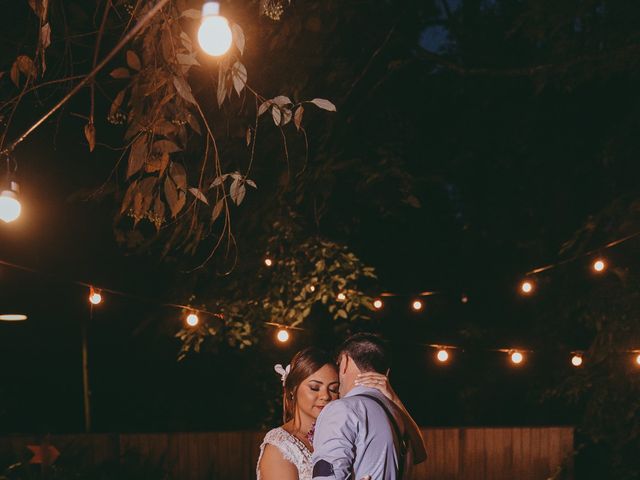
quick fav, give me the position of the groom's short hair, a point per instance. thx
(368, 350)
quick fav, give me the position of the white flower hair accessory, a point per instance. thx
(283, 372)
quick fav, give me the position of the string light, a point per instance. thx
(268, 262)
(517, 357)
(638, 359)
(464, 298)
(527, 287)
(442, 355)
(576, 360)
(341, 297)
(599, 265)
(192, 320)
(378, 304)
(13, 317)
(312, 288)
(282, 335)
(95, 297)
(417, 305)
(10, 207)
(214, 34)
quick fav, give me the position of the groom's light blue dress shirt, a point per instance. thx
(354, 438)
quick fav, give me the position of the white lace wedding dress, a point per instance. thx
(292, 449)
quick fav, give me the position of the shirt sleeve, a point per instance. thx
(334, 442)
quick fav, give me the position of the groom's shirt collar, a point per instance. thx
(359, 390)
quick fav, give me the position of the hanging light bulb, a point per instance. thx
(599, 265)
(417, 305)
(268, 262)
(10, 207)
(638, 359)
(312, 288)
(214, 34)
(94, 296)
(282, 335)
(526, 287)
(464, 298)
(517, 357)
(378, 304)
(442, 355)
(576, 360)
(13, 317)
(341, 297)
(192, 319)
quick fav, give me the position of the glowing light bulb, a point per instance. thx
(464, 299)
(282, 335)
(94, 296)
(526, 287)
(10, 207)
(192, 320)
(13, 317)
(268, 262)
(517, 358)
(576, 360)
(442, 355)
(342, 297)
(312, 288)
(638, 359)
(214, 34)
(417, 305)
(378, 304)
(599, 265)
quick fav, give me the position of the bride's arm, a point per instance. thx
(273, 466)
(381, 382)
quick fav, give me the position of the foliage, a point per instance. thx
(305, 273)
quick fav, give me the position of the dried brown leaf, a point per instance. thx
(217, 210)
(183, 89)
(199, 195)
(137, 156)
(179, 175)
(133, 60)
(297, 118)
(238, 37)
(120, 72)
(90, 135)
(324, 104)
(239, 75)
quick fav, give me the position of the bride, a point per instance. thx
(310, 382)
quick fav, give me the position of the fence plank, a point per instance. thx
(453, 453)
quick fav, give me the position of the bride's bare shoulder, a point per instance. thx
(273, 465)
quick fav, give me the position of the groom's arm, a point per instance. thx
(334, 442)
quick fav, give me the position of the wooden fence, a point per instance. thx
(454, 453)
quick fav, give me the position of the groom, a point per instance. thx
(363, 433)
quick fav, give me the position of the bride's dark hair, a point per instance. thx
(303, 364)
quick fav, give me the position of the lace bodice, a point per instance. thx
(292, 449)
